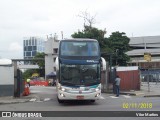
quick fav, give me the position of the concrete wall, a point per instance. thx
(50, 56)
(49, 64)
(6, 81)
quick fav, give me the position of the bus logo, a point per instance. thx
(90, 61)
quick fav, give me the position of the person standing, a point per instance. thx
(117, 84)
(28, 81)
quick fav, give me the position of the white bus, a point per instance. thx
(79, 70)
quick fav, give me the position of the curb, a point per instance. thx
(151, 95)
(131, 94)
(124, 93)
(14, 101)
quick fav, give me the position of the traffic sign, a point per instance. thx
(147, 56)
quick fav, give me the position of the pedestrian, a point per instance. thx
(49, 82)
(117, 84)
(28, 81)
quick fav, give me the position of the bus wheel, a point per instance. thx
(92, 101)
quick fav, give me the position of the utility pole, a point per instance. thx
(62, 34)
(116, 55)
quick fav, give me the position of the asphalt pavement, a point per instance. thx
(151, 90)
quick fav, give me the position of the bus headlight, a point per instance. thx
(97, 89)
(62, 95)
(63, 89)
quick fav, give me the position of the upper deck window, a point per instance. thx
(79, 48)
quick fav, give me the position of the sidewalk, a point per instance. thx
(13, 100)
(154, 91)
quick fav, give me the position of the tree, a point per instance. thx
(113, 48)
(28, 73)
(93, 33)
(119, 44)
(40, 63)
(87, 18)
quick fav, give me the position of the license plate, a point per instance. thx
(80, 97)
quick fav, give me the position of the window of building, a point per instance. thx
(55, 50)
(35, 42)
(54, 68)
(29, 42)
(26, 42)
(34, 47)
(34, 53)
(29, 48)
(28, 54)
(25, 48)
(54, 59)
(32, 42)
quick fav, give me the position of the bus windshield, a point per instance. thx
(79, 48)
(80, 74)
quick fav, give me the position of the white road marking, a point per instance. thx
(126, 96)
(47, 99)
(114, 97)
(32, 100)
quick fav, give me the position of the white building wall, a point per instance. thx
(50, 55)
(6, 80)
(49, 64)
(6, 75)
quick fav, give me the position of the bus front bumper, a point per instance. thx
(79, 96)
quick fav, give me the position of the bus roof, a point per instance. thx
(79, 39)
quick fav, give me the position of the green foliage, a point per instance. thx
(119, 44)
(92, 33)
(40, 63)
(28, 73)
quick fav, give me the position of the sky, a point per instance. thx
(27, 18)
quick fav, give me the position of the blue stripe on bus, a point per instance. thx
(93, 86)
(79, 62)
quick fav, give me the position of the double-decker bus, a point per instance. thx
(79, 70)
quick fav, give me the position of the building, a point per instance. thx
(32, 45)
(141, 45)
(7, 78)
(51, 52)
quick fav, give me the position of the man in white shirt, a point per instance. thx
(117, 84)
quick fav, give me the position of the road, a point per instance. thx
(45, 100)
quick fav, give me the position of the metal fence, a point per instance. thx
(150, 76)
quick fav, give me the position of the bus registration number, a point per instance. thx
(80, 97)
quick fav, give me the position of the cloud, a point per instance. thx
(26, 18)
(15, 47)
